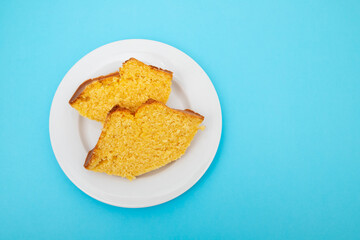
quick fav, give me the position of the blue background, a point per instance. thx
(288, 78)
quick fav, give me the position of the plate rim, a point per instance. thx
(166, 198)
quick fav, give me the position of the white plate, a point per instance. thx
(72, 136)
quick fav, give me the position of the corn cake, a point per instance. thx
(133, 85)
(132, 144)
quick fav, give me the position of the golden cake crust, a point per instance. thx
(82, 86)
(153, 67)
(186, 111)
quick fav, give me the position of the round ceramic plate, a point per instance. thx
(72, 136)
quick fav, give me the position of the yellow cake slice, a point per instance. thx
(133, 85)
(132, 144)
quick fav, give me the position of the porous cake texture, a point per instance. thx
(132, 144)
(134, 84)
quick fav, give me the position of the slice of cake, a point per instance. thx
(133, 85)
(132, 144)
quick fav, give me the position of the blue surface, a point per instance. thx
(288, 77)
